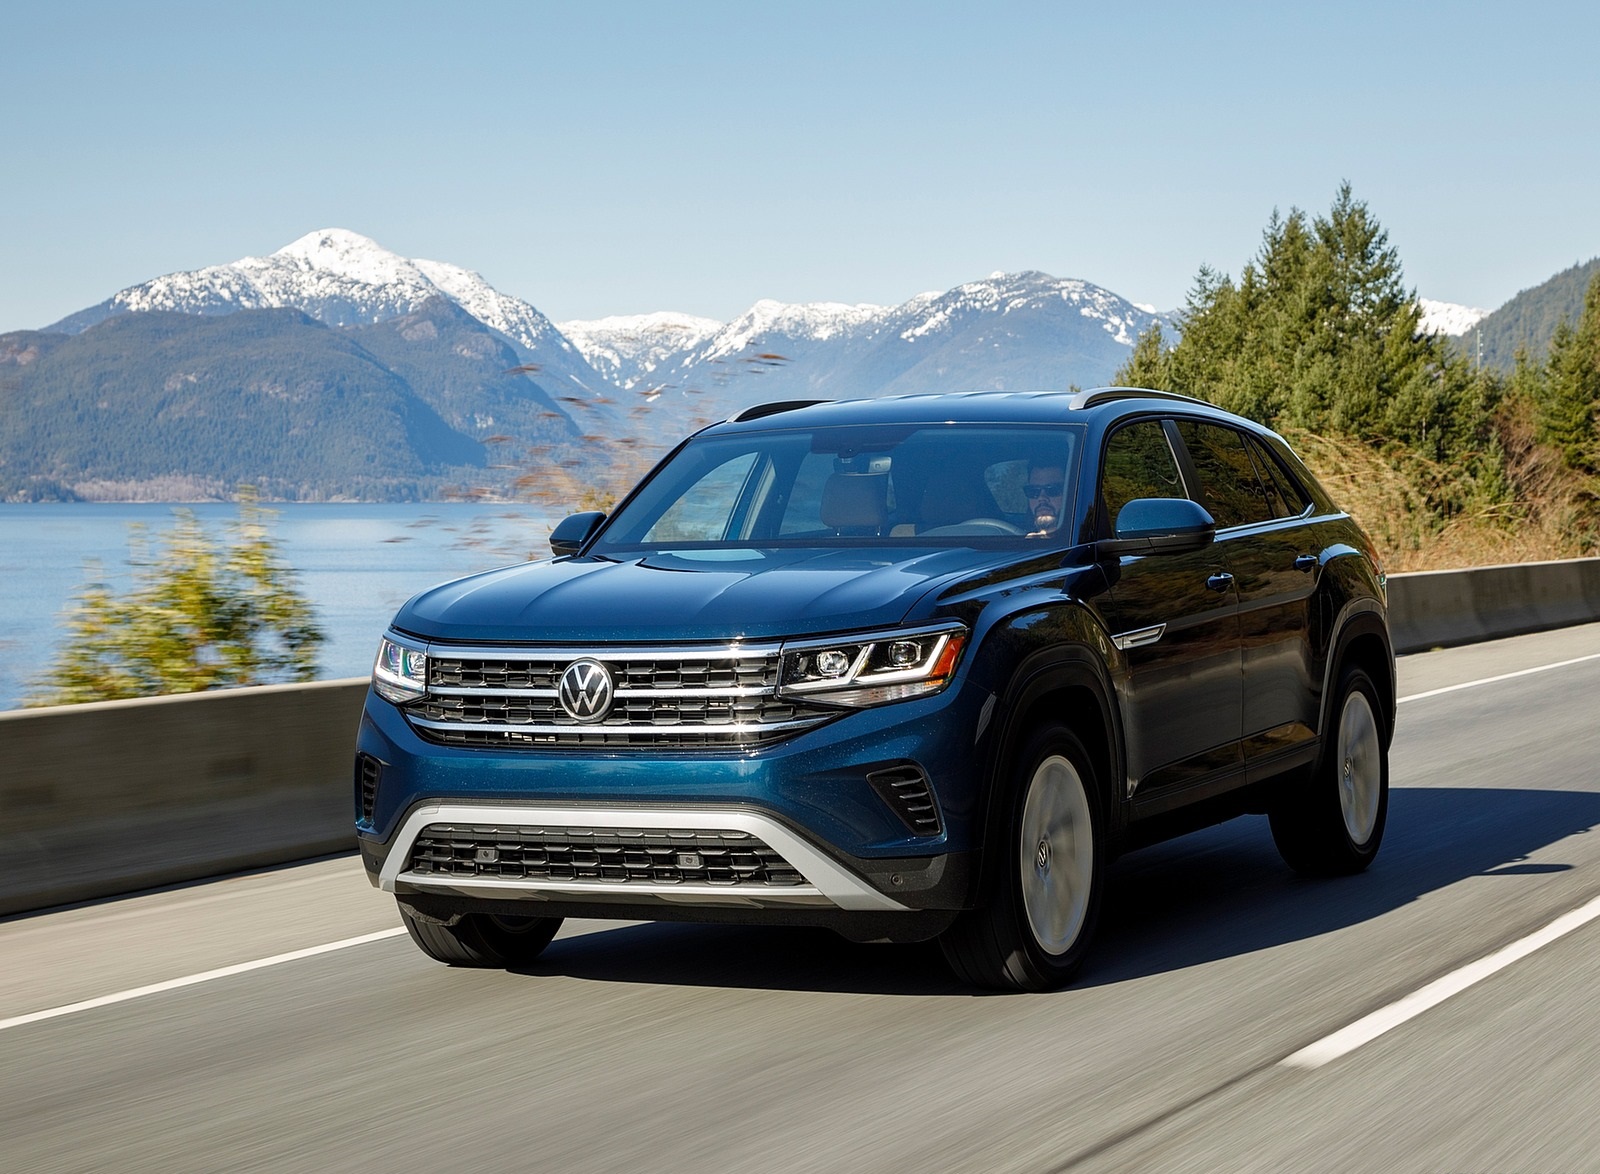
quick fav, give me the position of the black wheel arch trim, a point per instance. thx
(1359, 618)
(1046, 670)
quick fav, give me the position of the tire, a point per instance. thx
(1044, 890)
(1333, 826)
(481, 939)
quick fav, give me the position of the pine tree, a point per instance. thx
(1321, 334)
(1569, 398)
(1148, 365)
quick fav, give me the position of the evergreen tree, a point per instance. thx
(1321, 334)
(1569, 397)
(1148, 365)
(199, 616)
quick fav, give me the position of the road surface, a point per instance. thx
(280, 1020)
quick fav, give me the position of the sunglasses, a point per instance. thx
(1053, 489)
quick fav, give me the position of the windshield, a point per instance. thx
(922, 484)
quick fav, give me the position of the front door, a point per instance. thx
(1176, 619)
(1265, 533)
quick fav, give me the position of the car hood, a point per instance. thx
(692, 595)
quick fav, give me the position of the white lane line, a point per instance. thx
(1543, 668)
(173, 984)
(1370, 1027)
(140, 905)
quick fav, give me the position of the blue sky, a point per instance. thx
(607, 158)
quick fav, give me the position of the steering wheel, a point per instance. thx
(975, 526)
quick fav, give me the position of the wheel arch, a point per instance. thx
(1362, 640)
(1067, 683)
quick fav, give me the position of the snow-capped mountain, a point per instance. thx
(344, 279)
(627, 348)
(1448, 317)
(1007, 330)
(1016, 330)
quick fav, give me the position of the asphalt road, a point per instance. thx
(683, 1048)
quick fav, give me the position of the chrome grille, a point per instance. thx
(663, 698)
(620, 856)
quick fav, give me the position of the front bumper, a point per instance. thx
(807, 798)
(823, 881)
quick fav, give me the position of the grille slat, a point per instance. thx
(909, 795)
(370, 769)
(663, 699)
(623, 856)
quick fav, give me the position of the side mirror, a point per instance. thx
(1160, 525)
(573, 531)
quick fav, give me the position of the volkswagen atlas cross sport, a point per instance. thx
(907, 668)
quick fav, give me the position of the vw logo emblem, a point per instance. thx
(585, 691)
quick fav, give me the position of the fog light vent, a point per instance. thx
(905, 789)
(368, 769)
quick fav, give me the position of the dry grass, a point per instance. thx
(1395, 497)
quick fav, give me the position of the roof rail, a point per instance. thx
(772, 409)
(1100, 395)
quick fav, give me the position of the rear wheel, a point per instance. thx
(1044, 895)
(1333, 826)
(481, 939)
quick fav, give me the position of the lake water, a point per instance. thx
(357, 563)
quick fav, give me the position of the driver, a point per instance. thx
(1045, 490)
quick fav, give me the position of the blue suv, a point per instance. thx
(908, 668)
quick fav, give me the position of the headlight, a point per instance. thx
(870, 670)
(400, 674)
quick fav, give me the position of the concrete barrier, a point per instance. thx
(1434, 609)
(116, 796)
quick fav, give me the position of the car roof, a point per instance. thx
(1098, 405)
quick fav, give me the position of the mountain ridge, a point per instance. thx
(457, 369)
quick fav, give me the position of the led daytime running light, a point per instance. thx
(878, 671)
(400, 673)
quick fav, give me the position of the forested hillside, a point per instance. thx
(1529, 320)
(1445, 465)
(162, 404)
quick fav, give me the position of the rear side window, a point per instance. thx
(1292, 499)
(1229, 486)
(1138, 463)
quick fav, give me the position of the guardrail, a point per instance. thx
(116, 796)
(1434, 609)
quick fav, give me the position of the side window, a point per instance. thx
(1138, 463)
(1229, 486)
(1290, 494)
(703, 514)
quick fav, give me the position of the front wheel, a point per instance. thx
(1044, 895)
(1333, 826)
(481, 939)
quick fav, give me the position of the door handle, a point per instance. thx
(1221, 581)
(1305, 562)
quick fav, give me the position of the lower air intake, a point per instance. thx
(620, 856)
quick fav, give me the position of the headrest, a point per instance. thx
(855, 501)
